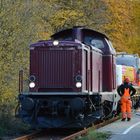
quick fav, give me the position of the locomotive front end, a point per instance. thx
(55, 68)
(57, 83)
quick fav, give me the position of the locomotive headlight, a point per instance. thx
(55, 42)
(78, 84)
(78, 78)
(32, 85)
(32, 78)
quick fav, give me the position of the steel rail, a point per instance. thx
(29, 136)
(85, 131)
(72, 136)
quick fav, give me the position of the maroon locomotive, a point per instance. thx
(72, 80)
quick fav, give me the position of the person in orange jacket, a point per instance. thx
(126, 90)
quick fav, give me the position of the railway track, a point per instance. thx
(62, 134)
(85, 131)
(29, 136)
(52, 134)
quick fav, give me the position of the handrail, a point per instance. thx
(20, 81)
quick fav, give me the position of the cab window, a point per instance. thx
(96, 42)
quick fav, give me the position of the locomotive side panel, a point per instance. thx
(96, 69)
(107, 73)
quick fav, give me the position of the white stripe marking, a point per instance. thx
(127, 130)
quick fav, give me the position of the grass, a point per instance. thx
(94, 135)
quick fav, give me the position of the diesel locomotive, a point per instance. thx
(72, 80)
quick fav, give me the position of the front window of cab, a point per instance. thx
(93, 41)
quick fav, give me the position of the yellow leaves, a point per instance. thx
(123, 27)
(44, 35)
(65, 17)
(6, 97)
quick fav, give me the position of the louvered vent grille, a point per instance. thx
(55, 69)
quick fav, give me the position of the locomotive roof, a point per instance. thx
(86, 36)
(66, 31)
(83, 35)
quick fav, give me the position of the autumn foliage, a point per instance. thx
(23, 22)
